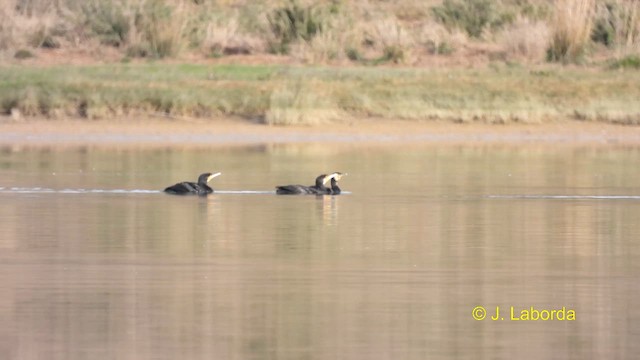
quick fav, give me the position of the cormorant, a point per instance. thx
(335, 190)
(318, 189)
(188, 188)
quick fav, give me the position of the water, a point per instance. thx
(97, 263)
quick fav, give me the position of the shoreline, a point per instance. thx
(233, 132)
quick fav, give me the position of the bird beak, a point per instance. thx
(338, 176)
(213, 175)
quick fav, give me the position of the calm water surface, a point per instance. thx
(95, 263)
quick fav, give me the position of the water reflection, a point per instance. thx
(329, 209)
(391, 270)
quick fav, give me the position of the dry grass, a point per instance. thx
(326, 47)
(526, 40)
(394, 40)
(302, 102)
(157, 29)
(327, 32)
(617, 26)
(22, 28)
(571, 29)
(220, 36)
(437, 40)
(359, 33)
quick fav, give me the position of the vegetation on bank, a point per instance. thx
(515, 39)
(330, 31)
(315, 95)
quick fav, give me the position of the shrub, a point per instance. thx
(23, 24)
(224, 36)
(353, 54)
(616, 23)
(146, 28)
(109, 21)
(23, 54)
(292, 22)
(162, 27)
(473, 16)
(437, 40)
(42, 38)
(526, 39)
(571, 30)
(395, 40)
(604, 28)
(327, 46)
(380, 40)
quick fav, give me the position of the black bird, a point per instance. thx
(335, 190)
(318, 189)
(190, 188)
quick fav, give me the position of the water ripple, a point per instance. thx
(566, 197)
(41, 190)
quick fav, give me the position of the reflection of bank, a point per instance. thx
(329, 209)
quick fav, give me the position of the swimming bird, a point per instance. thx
(188, 188)
(318, 189)
(335, 177)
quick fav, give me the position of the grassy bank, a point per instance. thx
(316, 95)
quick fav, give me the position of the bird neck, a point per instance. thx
(319, 183)
(334, 187)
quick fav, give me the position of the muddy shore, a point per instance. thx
(164, 132)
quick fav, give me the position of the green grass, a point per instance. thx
(628, 62)
(315, 95)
